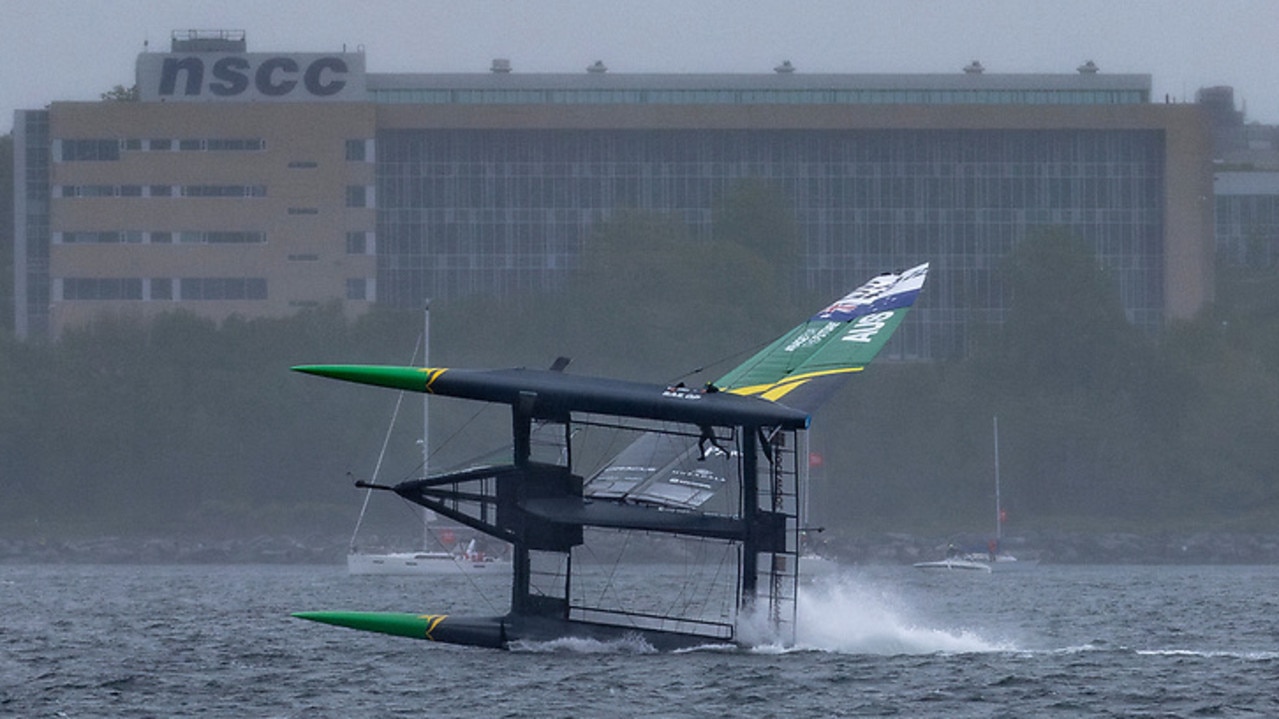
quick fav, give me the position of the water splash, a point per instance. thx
(846, 616)
(630, 644)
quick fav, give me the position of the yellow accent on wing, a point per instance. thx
(434, 621)
(776, 390)
(432, 374)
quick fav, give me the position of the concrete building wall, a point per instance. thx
(302, 215)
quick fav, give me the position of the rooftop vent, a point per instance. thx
(208, 41)
(785, 68)
(500, 64)
(1088, 68)
(974, 68)
(597, 68)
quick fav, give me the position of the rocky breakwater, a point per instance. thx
(1205, 547)
(174, 550)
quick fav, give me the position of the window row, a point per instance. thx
(160, 191)
(852, 151)
(758, 96)
(109, 149)
(357, 242)
(356, 195)
(159, 288)
(184, 289)
(195, 237)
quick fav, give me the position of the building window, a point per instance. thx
(234, 238)
(355, 151)
(356, 196)
(101, 288)
(224, 190)
(357, 243)
(90, 150)
(222, 288)
(250, 144)
(357, 288)
(161, 288)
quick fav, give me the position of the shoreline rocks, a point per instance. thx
(895, 548)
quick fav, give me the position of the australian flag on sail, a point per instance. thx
(888, 291)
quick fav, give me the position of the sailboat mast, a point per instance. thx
(999, 514)
(427, 515)
(426, 404)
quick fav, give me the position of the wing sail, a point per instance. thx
(801, 369)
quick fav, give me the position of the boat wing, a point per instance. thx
(801, 369)
(805, 366)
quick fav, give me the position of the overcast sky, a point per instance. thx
(58, 50)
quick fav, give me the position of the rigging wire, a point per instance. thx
(377, 467)
(726, 358)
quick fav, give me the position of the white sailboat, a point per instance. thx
(994, 559)
(453, 556)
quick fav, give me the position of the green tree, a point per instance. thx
(1065, 328)
(758, 216)
(120, 93)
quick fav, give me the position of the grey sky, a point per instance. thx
(76, 49)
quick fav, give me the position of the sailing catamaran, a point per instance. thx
(744, 496)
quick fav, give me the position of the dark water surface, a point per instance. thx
(218, 641)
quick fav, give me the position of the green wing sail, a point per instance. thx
(803, 367)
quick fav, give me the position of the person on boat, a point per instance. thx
(708, 433)
(708, 436)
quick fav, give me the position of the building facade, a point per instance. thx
(257, 183)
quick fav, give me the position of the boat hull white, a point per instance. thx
(957, 565)
(1011, 564)
(1003, 563)
(426, 563)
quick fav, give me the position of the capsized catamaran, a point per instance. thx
(725, 463)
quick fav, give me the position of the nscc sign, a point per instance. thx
(251, 77)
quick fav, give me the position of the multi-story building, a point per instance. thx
(1246, 183)
(257, 183)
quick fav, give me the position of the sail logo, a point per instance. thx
(865, 328)
(811, 337)
(682, 393)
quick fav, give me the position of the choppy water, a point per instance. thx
(104, 641)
